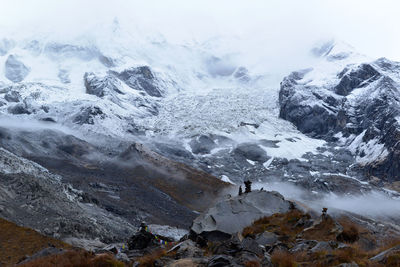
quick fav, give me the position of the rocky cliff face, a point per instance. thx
(357, 106)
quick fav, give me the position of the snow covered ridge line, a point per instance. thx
(355, 105)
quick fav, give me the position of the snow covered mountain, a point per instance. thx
(148, 122)
(353, 102)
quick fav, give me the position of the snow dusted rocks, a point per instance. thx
(140, 78)
(358, 107)
(100, 86)
(231, 215)
(15, 70)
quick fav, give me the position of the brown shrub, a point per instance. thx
(281, 223)
(393, 260)
(17, 241)
(77, 258)
(148, 260)
(252, 264)
(351, 231)
(283, 259)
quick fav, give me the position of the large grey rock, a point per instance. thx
(267, 238)
(382, 257)
(15, 70)
(233, 214)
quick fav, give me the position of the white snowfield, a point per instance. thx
(206, 90)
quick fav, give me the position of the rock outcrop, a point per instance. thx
(358, 108)
(15, 70)
(233, 214)
(140, 78)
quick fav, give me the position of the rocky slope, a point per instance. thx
(272, 235)
(354, 105)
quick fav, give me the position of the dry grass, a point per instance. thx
(393, 260)
(283, 224)
(76, 258)
(16, 242)
(351, 231)
(286, 226)
(283, 259)
(148, 260)
(252, 264)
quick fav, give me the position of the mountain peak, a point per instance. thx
(333, 50)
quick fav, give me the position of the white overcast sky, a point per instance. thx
(372, 26)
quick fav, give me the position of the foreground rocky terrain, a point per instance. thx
(247, 231)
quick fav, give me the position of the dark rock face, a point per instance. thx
(140, 78)
(360, 77)
(370, 114)
(141, 240)
(318, 119)
(100, 86)
(18, 109)
(87, 115)
(13, 96)
(15, 70)
(251, 151)
(202, 145)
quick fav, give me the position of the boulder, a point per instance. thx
(141, 240)
(384, 255)
(266, 238)
(15, 70)
(222, 261)
(233, 214)
(303, 245)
